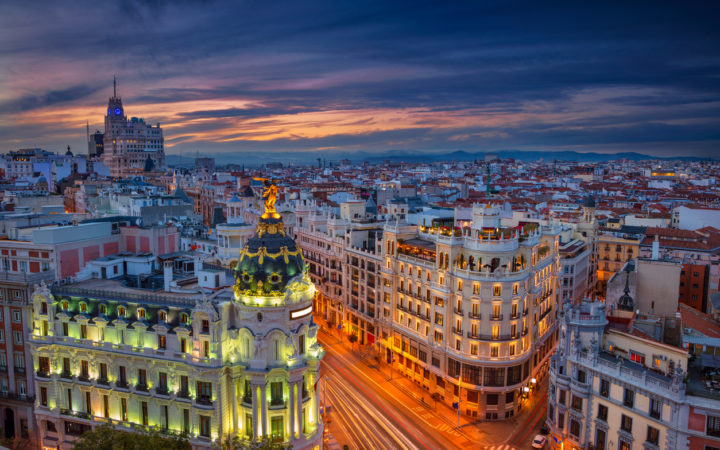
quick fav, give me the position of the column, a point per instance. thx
(255, 411)
(299, 408)
(234, 399)
(291, 408)
(263, 392)
(316, 398)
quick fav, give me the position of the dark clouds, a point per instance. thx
(225, 76)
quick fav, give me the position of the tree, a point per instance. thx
(234, 443)
(105, 437)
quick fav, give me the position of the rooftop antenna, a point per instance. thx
(114, 86)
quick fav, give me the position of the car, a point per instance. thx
(539, 441)
(544, 429)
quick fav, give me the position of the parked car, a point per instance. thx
(539, 441)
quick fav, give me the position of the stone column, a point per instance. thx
(234, 399)
(255, 411)
(299, 408)
(263, 392)
(291, 408)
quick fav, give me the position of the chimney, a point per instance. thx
(197, 265)
(167, 274)
(656, 248)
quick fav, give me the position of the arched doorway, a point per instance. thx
(9, 423)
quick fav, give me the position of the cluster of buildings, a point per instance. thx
(183, 299)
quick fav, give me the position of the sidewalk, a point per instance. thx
(485, 433)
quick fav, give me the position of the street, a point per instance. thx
(369, 411)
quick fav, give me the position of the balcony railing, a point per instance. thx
(497, 317)
(43, 374)
(122, 384)
(457, 331)
(207, 401)
(141, 387)
(162, 390)
(66, 375)
(477, 316)
(183, 393)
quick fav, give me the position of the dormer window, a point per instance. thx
(101, 309)
(183, 318)
(121, 311)
(64, 305)
(163, 316)
(141, 313)
(83, 307)
(43, 308)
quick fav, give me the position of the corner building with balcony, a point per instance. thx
(239, 362)
(469, 313)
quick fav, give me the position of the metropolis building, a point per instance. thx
(241, 362)
(130, 144)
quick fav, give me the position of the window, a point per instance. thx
(604, 388)
(17, 337)
(144, 412)
(122, 376)
(43, 396)
(103, 371)
(141, 313)
(561, 397)
(581, 376)
(83, 307)
(576, 403)
(626, 423)
(123, 409)
(628, 398)
(204, 391)
(476, 288)
(575, 428)
(16, 316)
(637, 357)
(43, 308)
(84, 369)
(561, 420)
(512, 349)
(655, 408)
(653, 435)
(101, 309)
(494, 351)
(497, 290)
(602, 412)
(83, 331)
(65, 329)
(142, 378)
(205, 426)
(515, 289)
(162, 382)
(206, 349)
(186, 421)
(162, 341)
(183, 345)
(163, 316)
(277, 429)
(713, 426)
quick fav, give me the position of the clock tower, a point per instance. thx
(129, 143)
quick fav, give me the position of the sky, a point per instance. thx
(348, 77)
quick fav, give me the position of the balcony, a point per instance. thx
(65, 374)
(19, 369)
(103, 381)
(162, 390)
(515, 316)
(122, 384)
(458, 311)
(496, 317)
(277, 402)
(42, 374)
(183, 393)
(206, 401)
(85, 378)
(477, 316)
(247, 399)
(457, 331)
(3, 368)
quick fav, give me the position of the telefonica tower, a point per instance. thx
(130, 144)
(234, 364)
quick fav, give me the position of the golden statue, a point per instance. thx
(270, 196)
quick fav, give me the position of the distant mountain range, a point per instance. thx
(307, 157)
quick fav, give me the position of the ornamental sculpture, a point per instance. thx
(270, 196)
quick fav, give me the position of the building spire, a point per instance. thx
(114, 86)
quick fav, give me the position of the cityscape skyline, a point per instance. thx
(315, 77)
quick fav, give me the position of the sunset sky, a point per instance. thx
(347, 76)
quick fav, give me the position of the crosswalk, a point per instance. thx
(500, 447)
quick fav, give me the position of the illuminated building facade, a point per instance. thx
(127, 144)
(472, 310)
(243, 362)
(469, 314)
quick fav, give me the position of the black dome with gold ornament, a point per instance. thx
(270, 258)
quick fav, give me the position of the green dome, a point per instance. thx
(269, 260)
